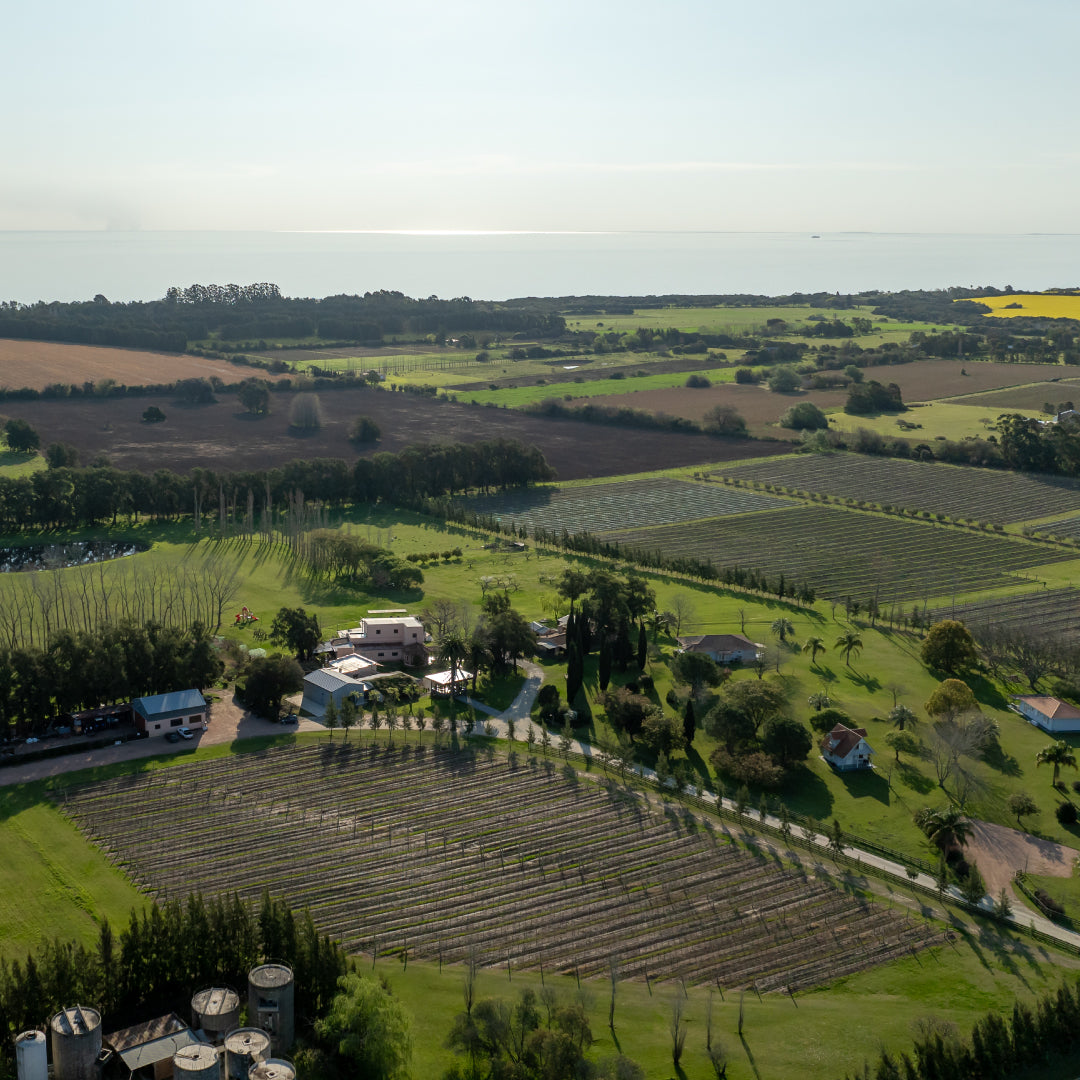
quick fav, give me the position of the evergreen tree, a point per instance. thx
(689, 723)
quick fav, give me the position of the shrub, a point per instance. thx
(784, 380)
(754, 768)
(1048, 903)
(364, 430)
(698, 382)
(724, 420)
(153, 415)
(1066, 813)
(746, 375)
(805, 416)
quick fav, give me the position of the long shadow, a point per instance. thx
(986, 693)
(807, 794)
(910, 777)
(1001, 760)
(868, 682)
(749, 1055)
(826, 674)
(866, 784)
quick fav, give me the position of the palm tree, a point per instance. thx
(781, 628)
(901, 715)
(946, 829)
(453, 648)
(1056, 754)
(819, 700)
(849, 643)
(814, 645)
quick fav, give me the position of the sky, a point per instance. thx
(943, 116)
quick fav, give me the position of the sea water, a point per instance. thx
(142, 265)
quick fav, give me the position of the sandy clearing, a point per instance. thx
(1000, 851)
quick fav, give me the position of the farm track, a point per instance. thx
(439, 853)
(959, 492)
(840, 553)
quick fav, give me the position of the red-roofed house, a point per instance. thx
(846, 748)
(1050, 713)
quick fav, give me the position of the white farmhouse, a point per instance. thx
(1049, 713)
(846, 748)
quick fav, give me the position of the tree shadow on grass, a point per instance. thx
(1001, 760)
(986, 693)
(910, 777)
(870, 683)
(807, 794)
(866, 784)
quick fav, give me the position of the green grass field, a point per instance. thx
(714, 320)
(981, 970)
(935, 420)
(518, 396)
(13, 465)
(52, 883)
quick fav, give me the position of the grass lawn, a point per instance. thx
(518, 396)
(959, 982)
(937, 419)
(13, 465)
(52, 883)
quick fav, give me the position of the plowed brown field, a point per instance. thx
(36, 364)
(223, 437)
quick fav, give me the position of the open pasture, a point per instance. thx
(925, 422)
(962, 493)
(1053, 612)
(223, 437)
(440, 852)
(37, 364)
(1032, 306)
(842, 554)
(600, 507)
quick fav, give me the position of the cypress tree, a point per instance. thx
(604, 663)
(689, 723)
(642, 647)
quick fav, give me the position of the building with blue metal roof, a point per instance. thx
(162, 713)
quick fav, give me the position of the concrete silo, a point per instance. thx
(76, 1043)
(32, 1056)
(273, 1069)
(244, 1048)
(270, 1003)
(197, 1062)
(216, 1011)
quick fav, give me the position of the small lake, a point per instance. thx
(71, 553)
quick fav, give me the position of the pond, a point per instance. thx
(69, 553)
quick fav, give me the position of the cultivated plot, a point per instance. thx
(1052, 392)
(601, 507)
(440, 852)
(842, 554)
(963, 493)
(1054, 613)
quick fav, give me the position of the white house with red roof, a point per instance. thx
(846, 748)
(1049, 713)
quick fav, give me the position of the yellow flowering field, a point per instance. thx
(1032, 305)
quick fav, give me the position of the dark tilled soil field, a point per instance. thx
(223, 437)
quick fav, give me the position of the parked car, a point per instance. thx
(290, 718)
(184, 733)
(172, 736)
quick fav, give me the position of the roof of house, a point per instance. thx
(401, 620)
(1051, 707)
(331, 680)
(718, 642)
(177, 701)
(353, 666)
(842, 740)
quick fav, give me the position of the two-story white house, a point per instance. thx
(846, 748)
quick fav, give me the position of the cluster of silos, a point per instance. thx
(76, 1043)
(273, 1069)
(244, 1049)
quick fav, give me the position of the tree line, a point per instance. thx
(117, 662)
(68, 498)
(161, 958)
(234, 313)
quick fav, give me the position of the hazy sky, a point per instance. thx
(926, 115)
